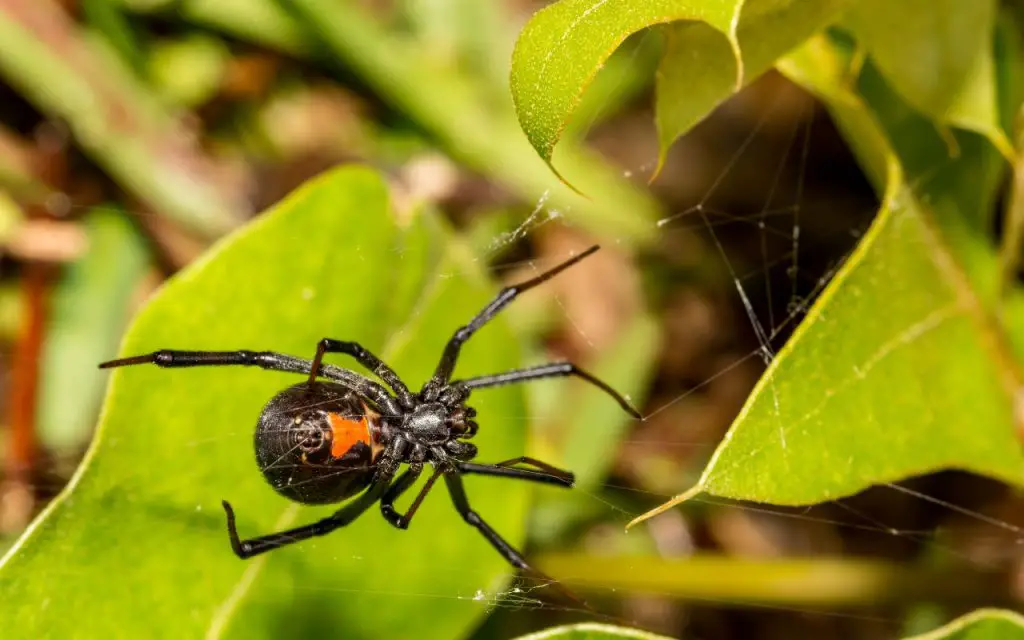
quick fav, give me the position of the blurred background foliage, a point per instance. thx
(134, 133)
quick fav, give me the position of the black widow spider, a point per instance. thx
(322, 442)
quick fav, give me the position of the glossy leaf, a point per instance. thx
(591, 631)
(145, 507)
(698, 69)
(938, 57)
(564, 45)
(983, 624)
(898, 369)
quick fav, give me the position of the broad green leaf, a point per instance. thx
(938, 57)
(899, 368)
(983, 624)
(625, 78)
(143, 520)
(590, 631)
(959, 192)
(1009, 62)
(962, 191)
(698, 68)
(87, 314)
(564, 45)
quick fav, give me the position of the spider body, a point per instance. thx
(342, 437)
(317, 445)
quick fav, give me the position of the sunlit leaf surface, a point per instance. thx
(564, 45)
(899, 368)
(145, 508)
(938, 57)
(698, 69)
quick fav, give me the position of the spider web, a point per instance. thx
(774, 268)
(796, 266)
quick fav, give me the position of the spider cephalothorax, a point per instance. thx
(341, 435)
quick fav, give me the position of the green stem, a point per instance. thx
(818, 582)
(123, 128)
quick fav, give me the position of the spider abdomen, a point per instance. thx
(315, 444)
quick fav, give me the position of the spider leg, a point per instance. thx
(255, 546)
(365, 358)
(268, 360)
(443, 373)
(548, 474)
(387, 503)
(540, 464)
(550, 370)
(461, 502)
(453, 479)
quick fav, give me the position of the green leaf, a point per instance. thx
(143, 516)
(861, 397)
(899, 368)
(563, 47)
(590, 631)
(983, 624)
(938, 57)
(698, 68)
